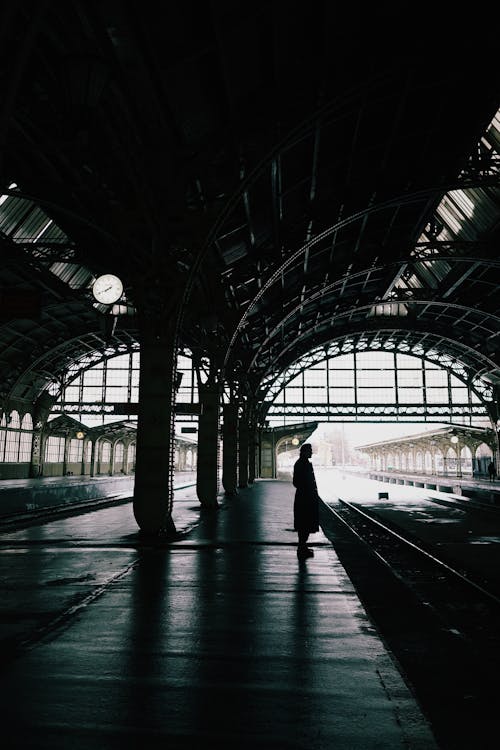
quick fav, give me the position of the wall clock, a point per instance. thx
(107, 288)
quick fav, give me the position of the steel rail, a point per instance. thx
(408, 543)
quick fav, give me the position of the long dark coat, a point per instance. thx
(306, 503)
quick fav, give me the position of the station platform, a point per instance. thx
(221, 637)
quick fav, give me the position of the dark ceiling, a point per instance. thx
(274, 170)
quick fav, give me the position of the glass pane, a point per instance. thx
(93, 377)
(411, 378)
(315, 377)
(117, 377)
(341, 378)
(116, 394)
(297, 380)
(376, 395)
(343, 362)
(405, 360)
(122, 362)
(436, 378)
(341, 395)
(410, 395)
(374, 378)
(456, 382)
(92, 394)
(437, 395)
(315, 395)
(459, 395)
(374, 360)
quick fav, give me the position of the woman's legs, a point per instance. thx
(302, 549)
(303, 537)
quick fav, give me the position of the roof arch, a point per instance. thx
(263, 171)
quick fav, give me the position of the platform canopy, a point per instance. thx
(444, 436)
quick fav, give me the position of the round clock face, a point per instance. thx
(107, 289)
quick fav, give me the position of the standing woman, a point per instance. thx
(306, 503)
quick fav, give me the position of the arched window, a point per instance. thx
(131, 456)
(483, 456)
(466, 460)
(451, 461)
(75, 453)
(12, 438)
(54, 449)
(118, 462)
(106, 452)
(16, 438)
(364, 383)
(116, 379)
(27, 423)
(484, 451)
(26, 439)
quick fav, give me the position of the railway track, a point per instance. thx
(441, 622)
(422, 567)
(25, 519)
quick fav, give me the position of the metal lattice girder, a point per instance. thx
(350, 410)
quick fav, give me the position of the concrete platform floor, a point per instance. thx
(221, 637)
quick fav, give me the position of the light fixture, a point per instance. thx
(295, 441)
(80, 435)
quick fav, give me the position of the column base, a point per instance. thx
(167, 532)
(209, 505)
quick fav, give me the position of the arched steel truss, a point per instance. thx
(272, 386)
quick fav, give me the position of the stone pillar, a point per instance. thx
(82, 462)
(153, 487)
(125, 457)
(112, 459)
(494, 414)
(252, 446)
(243, 449)
(92, 459)
(252, 449)
(40, 414)
(230, 449)
(207, 472)
(267, 454)
(100, 446)
(182, 458)
(36, 454)
(65, 457)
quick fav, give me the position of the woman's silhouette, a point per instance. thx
(306, 503)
